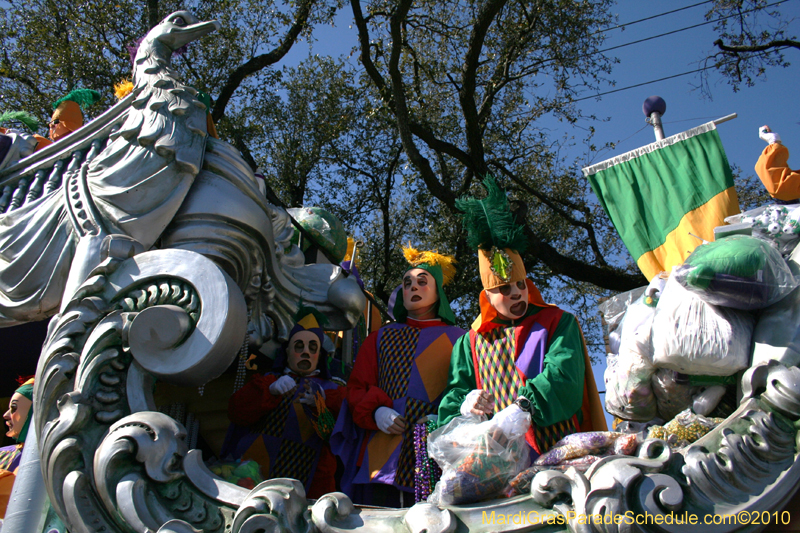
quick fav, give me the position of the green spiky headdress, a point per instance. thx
(20, 116)
(83, 97)
(492, 229)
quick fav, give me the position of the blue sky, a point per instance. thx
(771, 101)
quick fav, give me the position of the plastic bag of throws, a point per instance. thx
(629, 394)
(638, 322)
(478, 457)
(777, 333)
(778, 223)
(695, 337)
(738, 271)
(613, 311)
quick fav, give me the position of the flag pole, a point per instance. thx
(726, 118)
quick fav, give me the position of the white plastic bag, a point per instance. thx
(777, 333)
(694, 337)
(613, 310)
(638, 322)
(478, 457)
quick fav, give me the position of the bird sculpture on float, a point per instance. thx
(146, 175)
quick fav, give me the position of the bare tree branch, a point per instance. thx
(262, 61)
(466, 95)
(772, 45)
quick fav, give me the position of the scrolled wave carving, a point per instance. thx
(613, 487)
(274, 506)
(106, 466)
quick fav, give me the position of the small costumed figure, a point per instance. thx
(398, 379)
(283, 419)
(519, 346)
(781, 182)
(11, 123)
(18, 420)
(68, 112)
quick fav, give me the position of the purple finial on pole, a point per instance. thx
(653, 108)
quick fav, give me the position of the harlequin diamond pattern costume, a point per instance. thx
(541, 355)
(280, 433)
(402, 366)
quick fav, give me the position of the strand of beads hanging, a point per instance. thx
(426, 471)
(421, 470)
(434, 472)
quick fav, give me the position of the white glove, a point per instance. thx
(309, 397)
(282, 385)
(470, 402)
(384, 418)
(512, 421)
(768, 135)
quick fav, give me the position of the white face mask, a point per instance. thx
(511, 300)
(303, 353)
(420, 295)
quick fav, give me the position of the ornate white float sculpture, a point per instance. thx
(151, 245)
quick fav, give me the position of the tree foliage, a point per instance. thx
(753, 36)
(437, 95)
(467, 83)
(49, 48)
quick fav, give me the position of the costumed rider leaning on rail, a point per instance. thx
(16, 143)
(68, 112)
(519, 346)
(398, 379)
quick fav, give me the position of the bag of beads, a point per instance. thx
(478, 457)
(684, 429)
(673, 392)
(588, 443)
(629, 394)
(578, 451)
(777, 223)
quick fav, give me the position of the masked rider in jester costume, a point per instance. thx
(18, 419)
(519, 346)
(398, 379)
(283, 419)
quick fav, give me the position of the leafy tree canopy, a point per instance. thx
(436, 95)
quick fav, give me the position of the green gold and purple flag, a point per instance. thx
(660, 195)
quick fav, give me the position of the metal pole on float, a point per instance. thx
(653, 108)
